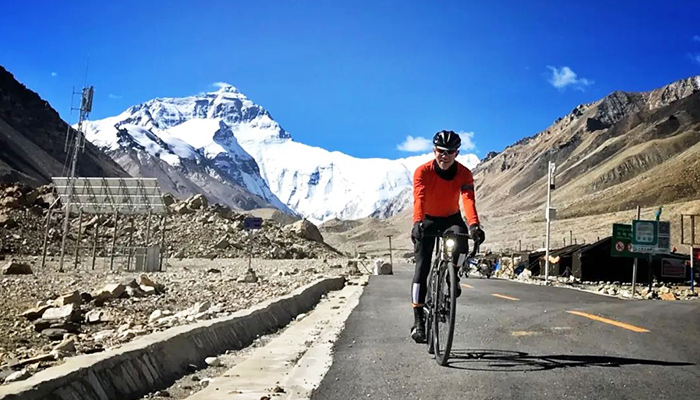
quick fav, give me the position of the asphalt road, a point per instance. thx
(518, 341)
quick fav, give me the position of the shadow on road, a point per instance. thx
(508, 361)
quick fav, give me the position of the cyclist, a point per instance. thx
(437, 188)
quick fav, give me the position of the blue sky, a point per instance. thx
(358, 76)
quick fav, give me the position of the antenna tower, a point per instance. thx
(75, 143)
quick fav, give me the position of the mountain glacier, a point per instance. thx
(222, 142)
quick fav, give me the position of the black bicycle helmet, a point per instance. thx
(447, 140)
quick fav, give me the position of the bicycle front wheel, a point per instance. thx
(445, 311)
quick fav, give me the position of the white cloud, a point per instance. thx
(420, 144)
(564, 76)
(54, 74)
(415, 144)
(695, 57)
(696, 38)
(467, 140)
(220, 84)
(114, 96)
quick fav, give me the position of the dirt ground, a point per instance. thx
(187, 283)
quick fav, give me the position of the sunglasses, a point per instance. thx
(449, 152)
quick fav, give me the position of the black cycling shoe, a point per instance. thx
(418, 329)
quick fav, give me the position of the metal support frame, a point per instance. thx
(691, 242)
(550, 183)
(94, 243)
(114, 240)
(130, 248)
(162, 244)
(80, 237)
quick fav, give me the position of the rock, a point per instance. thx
(16, 268)
(95, 316)
(180, 254)
(249, 277)
(7, 222)
(110, 291)
(300, 316)
(525, 275)
(305, 229)
(168, 199)
(68, 298)
(144, 280)
(197, 202)
(67, 313)
(212, 361)
(134, 292)
(213, 271)
(664, 289)
(148, 290)
(200, 307)
(35, 313)
(54, 333)
(182, 209)
(162, 393)
(155, 315)
(18, 376)
(668, 296)
(103, 335)
(222, 244)
(65, 349)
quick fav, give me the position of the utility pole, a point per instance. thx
(634, 266)
(391, 258)
(549, 214)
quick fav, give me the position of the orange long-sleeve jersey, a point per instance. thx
(438, 197)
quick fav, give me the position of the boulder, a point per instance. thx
(16, 268)
(95, 316)
(36, 312)
(305, 229)
(7, 222)
(18, 376)
(182, 209)
(68, 298)
(110, 291)
(197, 202)
(67, 313)
(64, 349)
(222, 244)
(168, 199)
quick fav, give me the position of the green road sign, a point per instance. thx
(651, 237)
(621, 245)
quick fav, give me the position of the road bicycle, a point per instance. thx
(441, 300)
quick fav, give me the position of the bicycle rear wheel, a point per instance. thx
(444, 311)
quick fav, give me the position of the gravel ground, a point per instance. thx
(187, 283)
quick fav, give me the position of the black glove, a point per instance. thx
(477, 234)
(417, 232)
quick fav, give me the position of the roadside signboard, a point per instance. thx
(645, 236)
(252, 223)
(663, 244)
(621, 245)
(672, 268)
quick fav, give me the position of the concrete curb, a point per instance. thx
(155, 361)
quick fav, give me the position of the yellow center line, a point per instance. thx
(609, 321)
(504, 297)
(467, 286)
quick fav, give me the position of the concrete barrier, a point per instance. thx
(155, 361)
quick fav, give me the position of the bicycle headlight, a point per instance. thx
(450, 244)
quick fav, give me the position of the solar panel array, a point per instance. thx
(109, 195)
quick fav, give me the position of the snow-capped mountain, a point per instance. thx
(222, 139)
